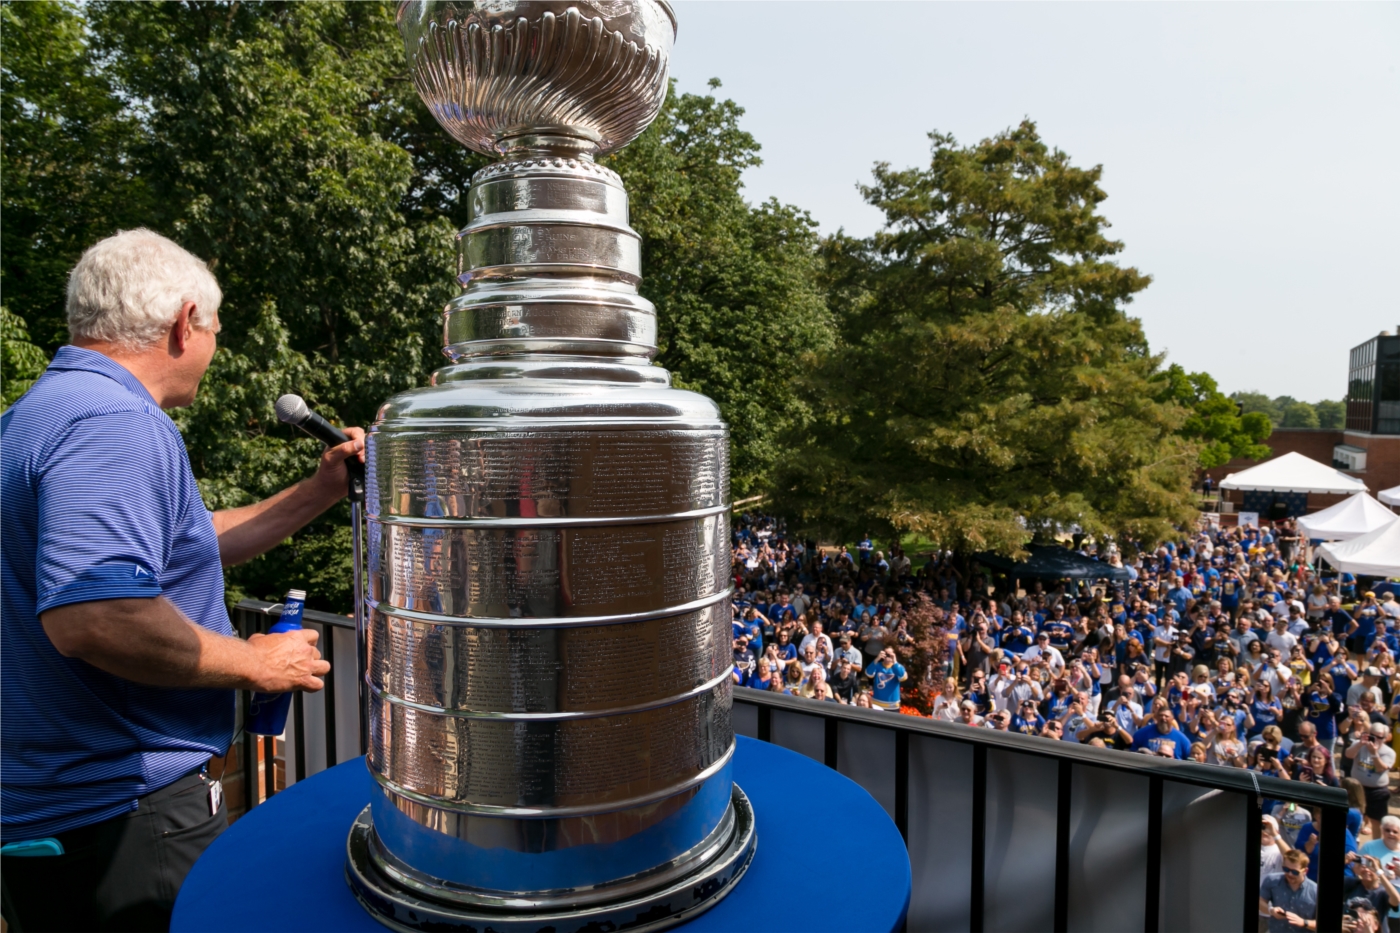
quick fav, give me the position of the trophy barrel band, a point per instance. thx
(706, 687)
(431, 618)
(393, 790)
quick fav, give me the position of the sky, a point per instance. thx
(1251, 151)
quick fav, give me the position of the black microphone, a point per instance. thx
(293, 410)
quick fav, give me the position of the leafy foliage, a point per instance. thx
(1288, 412)
(284, 143)
(1215, 421)
(735, 287)
(988, 385)
(66, 157)
(21, 362)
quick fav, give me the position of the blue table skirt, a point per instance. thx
(828, 859)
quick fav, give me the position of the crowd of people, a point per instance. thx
(1224, 647)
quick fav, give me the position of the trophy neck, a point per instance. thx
(549, 267)
(547, 144)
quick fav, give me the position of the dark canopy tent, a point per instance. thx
(1051, 562)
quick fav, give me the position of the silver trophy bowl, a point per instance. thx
(546, 634)
(501, 74)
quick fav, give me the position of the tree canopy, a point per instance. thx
(987, 384)
(1285, 411)
(284, 143)
(1216, 422)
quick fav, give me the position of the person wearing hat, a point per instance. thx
(1369, 683)
(1390, 608)
(1043, 649)
(1372, 758)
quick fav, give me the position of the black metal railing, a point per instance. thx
(1005, 831)
(1015, 832)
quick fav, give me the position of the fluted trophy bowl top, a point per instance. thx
(580, 76)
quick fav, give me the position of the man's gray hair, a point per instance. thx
(1392, 821)
(128, 288)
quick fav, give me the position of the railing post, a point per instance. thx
(901, 784)
(299, 720)
(249, 754)
(830, 742)
(269, 749)
(329, 694)
(1064, 790)
(765, 724)
(1253, 822)
(1331, 849)
(1152, 903)
(979, 839)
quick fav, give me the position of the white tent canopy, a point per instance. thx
(1293, 472)
(1390, 496)
(1376, 553)
(1348, 519)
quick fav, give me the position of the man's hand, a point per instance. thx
(289, 661)
(247, 532)
(331, 477)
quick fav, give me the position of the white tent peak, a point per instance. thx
(1376, 553)
(1293, 472)
(1350, 518)
(1390, 496)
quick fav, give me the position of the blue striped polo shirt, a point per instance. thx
(99, 503)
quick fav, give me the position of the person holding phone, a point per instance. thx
(1372, 758)
(1289, 898)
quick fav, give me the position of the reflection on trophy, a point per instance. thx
(547, 623)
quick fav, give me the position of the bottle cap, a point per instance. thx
(296, 594)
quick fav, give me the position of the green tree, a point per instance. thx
(65, 156)
(1251, 402)
(1215, 421)
(988, 386)
(1300, 415)
(736, 288)
(21, 362)
(1331, 415)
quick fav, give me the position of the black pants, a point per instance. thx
(120, 874)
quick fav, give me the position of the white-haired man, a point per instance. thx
(118, 660)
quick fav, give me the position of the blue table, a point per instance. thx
(281, 867)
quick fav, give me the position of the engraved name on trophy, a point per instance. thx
(547, 627)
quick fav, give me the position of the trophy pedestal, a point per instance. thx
(302, 831)
(653, 901)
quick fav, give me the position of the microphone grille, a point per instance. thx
(291, 409)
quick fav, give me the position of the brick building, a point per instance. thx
(1368, 447)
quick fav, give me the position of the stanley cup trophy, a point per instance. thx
(546, 633)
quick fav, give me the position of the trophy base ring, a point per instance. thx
(675, 902)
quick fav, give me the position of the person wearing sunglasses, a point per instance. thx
(1289, 898)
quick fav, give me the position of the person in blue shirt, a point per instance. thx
(886, 674)
(1027, 720)
(1365, 617)
(1338, 618)
(119, 662)
(1061, 632)
(1018, 636)
(1162, 737)
(1179, 595)
(1322, 708)
(1264, 708)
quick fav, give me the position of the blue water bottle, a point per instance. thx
(267, 712)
